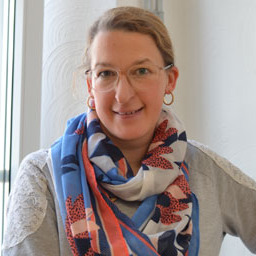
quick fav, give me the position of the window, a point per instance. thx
(7, 10)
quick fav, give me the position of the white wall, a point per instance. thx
(215, 43)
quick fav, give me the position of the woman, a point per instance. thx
(116, 183)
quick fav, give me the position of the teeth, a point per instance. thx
(127, 113)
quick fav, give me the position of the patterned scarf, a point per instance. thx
(87, 167)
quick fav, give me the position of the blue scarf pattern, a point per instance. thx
(88, 167)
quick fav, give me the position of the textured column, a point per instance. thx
(65, 26)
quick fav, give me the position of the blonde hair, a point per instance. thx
(132, 19)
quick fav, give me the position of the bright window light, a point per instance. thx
(7, 10)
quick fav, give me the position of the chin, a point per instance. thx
(127, 137)
(130, 135)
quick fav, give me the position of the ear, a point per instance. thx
(173, 75)
(89, 86)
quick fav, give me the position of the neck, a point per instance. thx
(134, 155)
(133, 150)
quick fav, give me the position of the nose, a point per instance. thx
(124, 90)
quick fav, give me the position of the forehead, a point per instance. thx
(121, 48)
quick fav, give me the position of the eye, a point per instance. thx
(142, 71)
(106, 74)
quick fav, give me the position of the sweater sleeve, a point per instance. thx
(236, 194)
(237, 197)
(31, 227)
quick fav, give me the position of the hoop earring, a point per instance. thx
(90, 103)
(170, 103)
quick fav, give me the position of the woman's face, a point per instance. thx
(127, 113)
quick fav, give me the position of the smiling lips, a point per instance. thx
(128, 113)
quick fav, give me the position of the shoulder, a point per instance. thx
(209, 163)
(27, 202)
(32, 172)
(36, 159)
(224, 193)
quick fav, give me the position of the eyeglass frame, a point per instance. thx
(118, 71)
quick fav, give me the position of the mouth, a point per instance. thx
(128, 113)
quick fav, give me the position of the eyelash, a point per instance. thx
(103, 73)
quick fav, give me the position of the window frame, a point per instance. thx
(27, 80)
(24, 76)
(7, 57)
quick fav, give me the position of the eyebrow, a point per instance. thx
(137, 62)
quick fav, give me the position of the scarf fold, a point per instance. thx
(87, 167)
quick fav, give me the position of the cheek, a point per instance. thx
(155, 96)
(102, 102)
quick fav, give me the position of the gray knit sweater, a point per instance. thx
(227, 201)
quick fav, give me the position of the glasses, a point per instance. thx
(105, 79)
